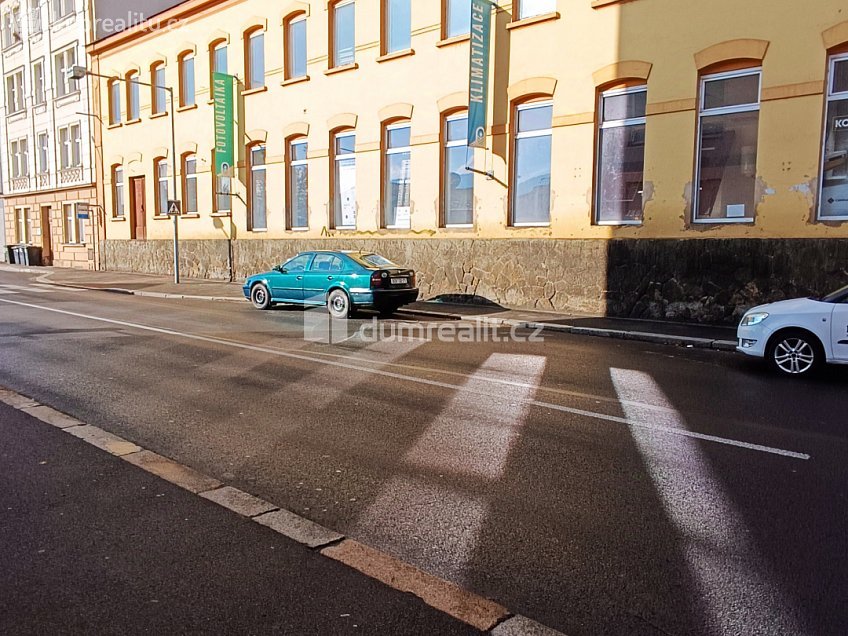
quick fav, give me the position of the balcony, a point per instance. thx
(71, 176)
(19, 184)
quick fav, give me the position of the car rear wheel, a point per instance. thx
(339, 305)
(795, 353)
(260, 297)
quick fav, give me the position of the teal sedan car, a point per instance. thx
(344, 281)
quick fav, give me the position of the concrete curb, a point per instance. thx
(640, 336)
(442, 595)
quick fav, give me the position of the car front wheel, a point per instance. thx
(795, 353)
(260, 297)
(338, 304)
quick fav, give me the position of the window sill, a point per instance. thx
(528, 226)
(458, 226)
(724, 221)
(73, 244)
(159, 217)
(259, 230)
(396, 55)
(73, 96)
(113, 126)
(456, 39)
(295, 80)
(618, 223)
(536, 19)
(341, 69)
(118, 219)
(255, 91)
(345, 228)
(133, 121)
(193, 215)
(398, 228)
(298, 229)
(220, 215)
(597, 4)
(188, 107)
(159, 115)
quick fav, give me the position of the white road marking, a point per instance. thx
(471, 437)
(406, 378)
(6, 292)
(25, 288)
(713, 536)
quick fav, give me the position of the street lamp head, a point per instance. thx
(76, 72)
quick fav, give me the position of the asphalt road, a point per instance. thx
(596, 486)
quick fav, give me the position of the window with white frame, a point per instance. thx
(63, 62)
(114, 103)
(43, 145)
(833, 196)
(726, 169)
(258, 192)
(344, 33)
(70, 147)
(457, 181)
(161, 171)
(344, 180)
(398, 25)
(38, 94)
(397, 176)
(620, 156)
(34, 17)
(22, 234)
(73, 225)
(133, 97)
(187, 86)
(12, 27)
(190, 184)
(255, 70)
(118, 191)
(159, 93)
(532, 8)
(298, 199)
(61, 8)
(19, 158)
(531, 171)
(457, 18)
(15, 92)
(296, 47)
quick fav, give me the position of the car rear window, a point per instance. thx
(372, 261)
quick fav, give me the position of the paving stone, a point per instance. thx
(16, 400)
(239, 501)
(103, 440)
(171, 471)
(296, 527)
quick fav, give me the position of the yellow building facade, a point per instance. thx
(644, 158)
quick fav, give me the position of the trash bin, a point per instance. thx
(18, 257)
(10, 254)
(32, 255)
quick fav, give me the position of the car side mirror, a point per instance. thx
(280, 268)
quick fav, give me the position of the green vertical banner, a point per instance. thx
(222, 94)
(478, 72)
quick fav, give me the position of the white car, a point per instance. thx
(797, 336)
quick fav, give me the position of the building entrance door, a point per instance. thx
(46, 236)
(138, 210)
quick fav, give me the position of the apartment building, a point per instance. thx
(47, 125)
(645, 158)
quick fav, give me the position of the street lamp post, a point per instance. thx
(79, 73)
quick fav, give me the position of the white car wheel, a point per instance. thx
(794, 353)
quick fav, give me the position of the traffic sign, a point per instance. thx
(174, 208)
(83, 210)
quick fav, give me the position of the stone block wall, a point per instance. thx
(696, 280)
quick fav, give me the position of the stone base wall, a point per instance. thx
(697, 280)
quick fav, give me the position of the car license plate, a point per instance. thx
(400, 281)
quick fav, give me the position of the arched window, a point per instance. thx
(133, 97)
(397, 154)
(457, 182)
(343, 33)
(254, 71)
(189, 172)
(218, 62)
(343, 170)
(187, 84)
(295, 53)
(159, 96)
(298, 184)
(258, 194)
(114, 102)
(531, 163)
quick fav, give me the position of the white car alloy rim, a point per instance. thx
(794, 356)
(339, 303)
(259, 296)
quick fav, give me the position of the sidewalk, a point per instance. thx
(661, 332)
